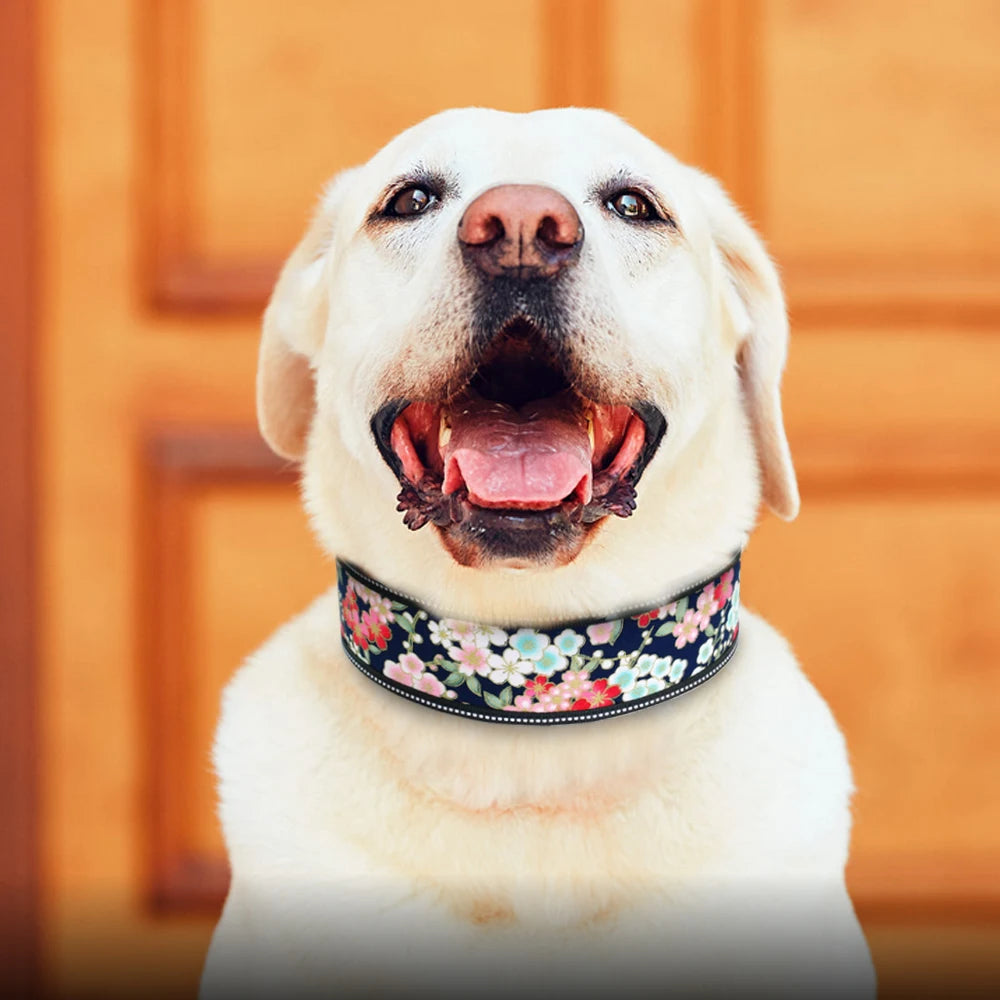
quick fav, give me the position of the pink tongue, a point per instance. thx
(530, 458)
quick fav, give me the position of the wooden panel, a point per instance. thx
(160, 176)
(899, 634)
(898, 127)
(654, 83)
(232, 180)
(937, 961)
(19, 752)
(576, 60)
(879, 131)
(228, 558)
(867, 407)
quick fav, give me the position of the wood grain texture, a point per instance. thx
(19, 862)
(232, 181)
(877, 128)
(164, 210)
(225, 557)
(895, 628)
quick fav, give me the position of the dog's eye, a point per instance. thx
(632, 206)
(412, 201)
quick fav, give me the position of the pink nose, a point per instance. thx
(521, 230)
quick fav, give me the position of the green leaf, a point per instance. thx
(407, 622)
(396, 606)
(474, 686)
(710, 630)
(492, 700)
(616, 631)
(682, 606)
(665, 629)
(506, 696)
(454, 679)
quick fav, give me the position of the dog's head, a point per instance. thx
(540, 336)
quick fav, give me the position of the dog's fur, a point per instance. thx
(377, 846)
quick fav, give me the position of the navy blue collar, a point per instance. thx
(566, 672)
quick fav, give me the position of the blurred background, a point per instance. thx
(161, 157)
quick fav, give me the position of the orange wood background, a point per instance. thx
(183, 143)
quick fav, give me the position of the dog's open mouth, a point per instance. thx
(517, 450)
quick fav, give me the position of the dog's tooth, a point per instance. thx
(444, 431)
(590, 430)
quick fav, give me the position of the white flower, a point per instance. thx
(487, 635)
(645, 664)
(529, 643)
(510, 668)
(647, 686)
(623, 677)
(550, 661)
(568, 642)
(382, 606)
(462, 631)
(441, 635)
(734, 609)
(662, 666)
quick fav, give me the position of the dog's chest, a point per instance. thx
(360, 825)
(492, 825)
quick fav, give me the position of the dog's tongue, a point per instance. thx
(531, 458)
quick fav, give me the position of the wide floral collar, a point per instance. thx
(567, 672)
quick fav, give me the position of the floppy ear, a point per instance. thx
(756, 305)
(293, 327)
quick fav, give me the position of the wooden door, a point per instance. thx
(183, 143)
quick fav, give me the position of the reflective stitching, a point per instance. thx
(376, 644)
(547, 718)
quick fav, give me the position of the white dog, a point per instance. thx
(531, 366)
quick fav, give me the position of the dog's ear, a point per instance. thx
(755, 303)
(294, 322)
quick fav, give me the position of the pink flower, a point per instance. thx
(471, 658)
(429, 684)
(405, 675)
(396, 673)
(375, 628)
(382, 606)
(411, 663)
(725, 588)
(576, 683)
(687, 630)
(707, 606)
(601, 632)
(524, 702)
(554, 700)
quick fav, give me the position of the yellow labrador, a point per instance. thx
(531, 743)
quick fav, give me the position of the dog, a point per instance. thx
(530, 364)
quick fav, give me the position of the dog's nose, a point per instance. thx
(521, 230)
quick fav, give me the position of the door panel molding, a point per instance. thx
(19, 856)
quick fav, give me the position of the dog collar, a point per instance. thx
(566, 672)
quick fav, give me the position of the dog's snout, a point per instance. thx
(522, 230)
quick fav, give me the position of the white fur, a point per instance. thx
(381, 848)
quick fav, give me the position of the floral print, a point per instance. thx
(529, 643)
(566, 673)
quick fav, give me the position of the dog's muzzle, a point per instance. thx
(510, 458)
